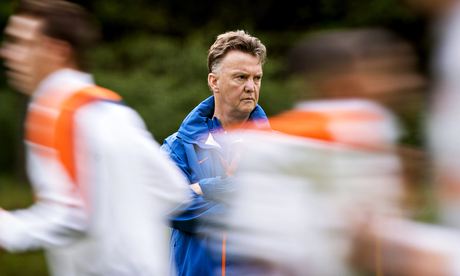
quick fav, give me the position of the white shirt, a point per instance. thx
(114, 222)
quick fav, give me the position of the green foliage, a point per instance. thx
(11, 110)
(133, 14)
(154, 52)
(377, 12)
(164, 78)
(24, 264)
(160, 77)
(14, 195)
(6, 8)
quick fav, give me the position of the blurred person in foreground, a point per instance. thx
(442, 128)
(362, 82)
(330, 165)
(102, 186)
(235, 75)
(428, 249)
(384, 244)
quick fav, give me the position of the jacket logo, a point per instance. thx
(202, 160)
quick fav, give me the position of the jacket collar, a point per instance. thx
(200, 122)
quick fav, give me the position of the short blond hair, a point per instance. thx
(235, 40)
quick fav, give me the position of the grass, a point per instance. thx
(15, 194)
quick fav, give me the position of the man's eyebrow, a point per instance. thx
(239, 72)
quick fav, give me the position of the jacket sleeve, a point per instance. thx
(217, 188)
(202, 209)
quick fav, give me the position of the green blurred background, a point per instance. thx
(154, 54)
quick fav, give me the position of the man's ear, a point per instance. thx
(63, 53)
(212, 82)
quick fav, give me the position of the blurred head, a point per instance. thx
(431, 7)
(42, 37)
(365, 63)
(235, 73)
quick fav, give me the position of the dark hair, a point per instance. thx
(234, 40)
(336, 51)
(64, 21)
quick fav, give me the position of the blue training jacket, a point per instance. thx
(200, 162)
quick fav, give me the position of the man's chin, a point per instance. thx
(248, 104)
(247, 110)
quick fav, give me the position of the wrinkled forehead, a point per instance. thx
(25, 27)
(238, 60)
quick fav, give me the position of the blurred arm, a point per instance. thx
(403, 247)
(57, 218)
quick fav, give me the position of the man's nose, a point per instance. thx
(6, 51)
(250, 85)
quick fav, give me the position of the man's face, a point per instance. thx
(23, 53)
(387, 78)
(236, 85)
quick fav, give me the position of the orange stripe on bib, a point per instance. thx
(50, 121)
(317, 124)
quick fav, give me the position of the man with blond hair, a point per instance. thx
(235, 74)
